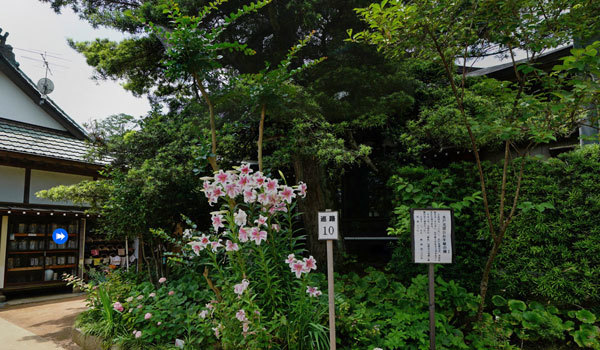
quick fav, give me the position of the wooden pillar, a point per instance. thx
(3, 242)
(81, 235)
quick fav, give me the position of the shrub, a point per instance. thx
(551, 251)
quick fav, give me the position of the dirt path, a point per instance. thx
(51, 320)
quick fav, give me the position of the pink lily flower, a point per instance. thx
(221, 177)
(313, 291)
(245, 169)
(230, 246)
(244, 234)
(204, 240)
(261, 220)
(241, 287)
(310, 263)
(258, 236)
(298, 268)
(241, 316)
(215, 245)
(290, 259)
(240, 218)
(217, 222)
(287, 194)
(271, 185)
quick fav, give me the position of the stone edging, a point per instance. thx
(88, 342)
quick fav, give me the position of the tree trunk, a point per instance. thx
(213, 129)
(483, 288)
(308, 170)
(261, 129)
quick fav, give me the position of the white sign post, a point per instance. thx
(432, 243)
(328, 230)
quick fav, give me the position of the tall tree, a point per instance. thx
(326, 140)
(459, 31)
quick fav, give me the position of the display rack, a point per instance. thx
(99, 250)
(32, 257)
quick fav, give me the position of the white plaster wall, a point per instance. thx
(16, 105)
(12, 184)
(45, 180)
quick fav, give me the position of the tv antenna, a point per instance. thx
(45, 85)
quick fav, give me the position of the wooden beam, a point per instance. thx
(27, 188)
(21, 160)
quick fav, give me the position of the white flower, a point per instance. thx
(240, 218)
(179, 343)
(241, 287)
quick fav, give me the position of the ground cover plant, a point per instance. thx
(377, 310)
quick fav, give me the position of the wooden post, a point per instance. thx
(127, 253)
(331, 293)
(328, 231)
(431, 308)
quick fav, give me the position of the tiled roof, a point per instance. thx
(41, 142)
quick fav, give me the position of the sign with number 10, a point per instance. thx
(328, 225)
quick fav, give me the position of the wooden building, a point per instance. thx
(40, 147)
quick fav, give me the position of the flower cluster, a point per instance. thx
(253, 187)
(254, 205)
(301, 266)
(118, 307)
(313, 291)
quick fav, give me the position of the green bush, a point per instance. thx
(555, 254)
(173, 307)
(551, 251)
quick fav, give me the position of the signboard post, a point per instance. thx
(432, 232)
(328, 230)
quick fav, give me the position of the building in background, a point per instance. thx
(40, 147)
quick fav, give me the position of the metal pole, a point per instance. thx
(431, 309)
(331, 294)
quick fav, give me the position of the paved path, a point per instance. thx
(40, 326)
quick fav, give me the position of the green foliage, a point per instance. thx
(538, 324)
(174, 309)
(377, 310)
(192, 47)
(453, 187)
(153, 176)
(255, 298)
(551, 253)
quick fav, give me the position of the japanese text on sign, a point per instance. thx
(432, 235)
(328, 225)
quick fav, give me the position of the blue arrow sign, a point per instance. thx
(60, 236)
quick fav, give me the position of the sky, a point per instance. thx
(34, 26)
